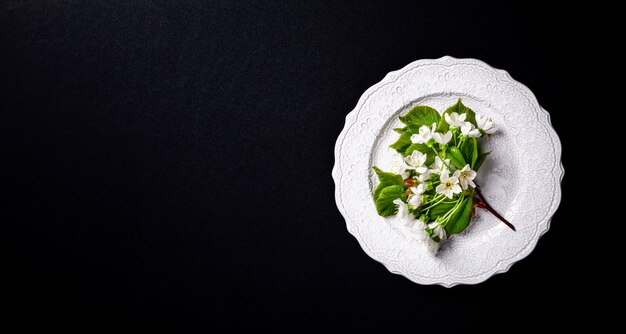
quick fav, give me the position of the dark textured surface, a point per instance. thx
(168, 163)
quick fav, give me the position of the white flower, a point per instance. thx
(449, 185)
(403, 210)
(433, 246)
(418, 229)
(438, 167)
(415, 201)
(416, 161)
(398, 166)
(422, 137)
(469, 130)
(455, 120)
(415, 198)
(486, 124)
(438, 230)
(442, 138)
(424, 134)
(466, 176)
(425, 176)
(418, 189)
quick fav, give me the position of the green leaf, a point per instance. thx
(458, 108)
(421, 115)
(430, 158)
(402, 143)
(474, 151)
(460, 218)
(440, 210)
(400, 130)
(413, 128)
(456, 157)
(479, 161)
(470, 151)
(417, 147)
(466, 149)
(386, 179)
(384, 202)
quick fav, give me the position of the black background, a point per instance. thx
(168, 163)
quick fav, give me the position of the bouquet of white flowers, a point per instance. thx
(431, 185)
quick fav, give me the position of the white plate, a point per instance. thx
(520, 179)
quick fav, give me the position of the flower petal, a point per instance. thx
(445, 175)
(422, 169)
(415, 139)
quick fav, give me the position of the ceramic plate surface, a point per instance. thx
(520, 179)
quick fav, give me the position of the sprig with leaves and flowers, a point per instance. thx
(431, 185)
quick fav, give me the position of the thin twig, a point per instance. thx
(493, 212)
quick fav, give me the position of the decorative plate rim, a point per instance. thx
(503, 265)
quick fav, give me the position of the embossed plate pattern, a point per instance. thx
(521, 178)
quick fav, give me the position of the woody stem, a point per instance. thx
(490, 209)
